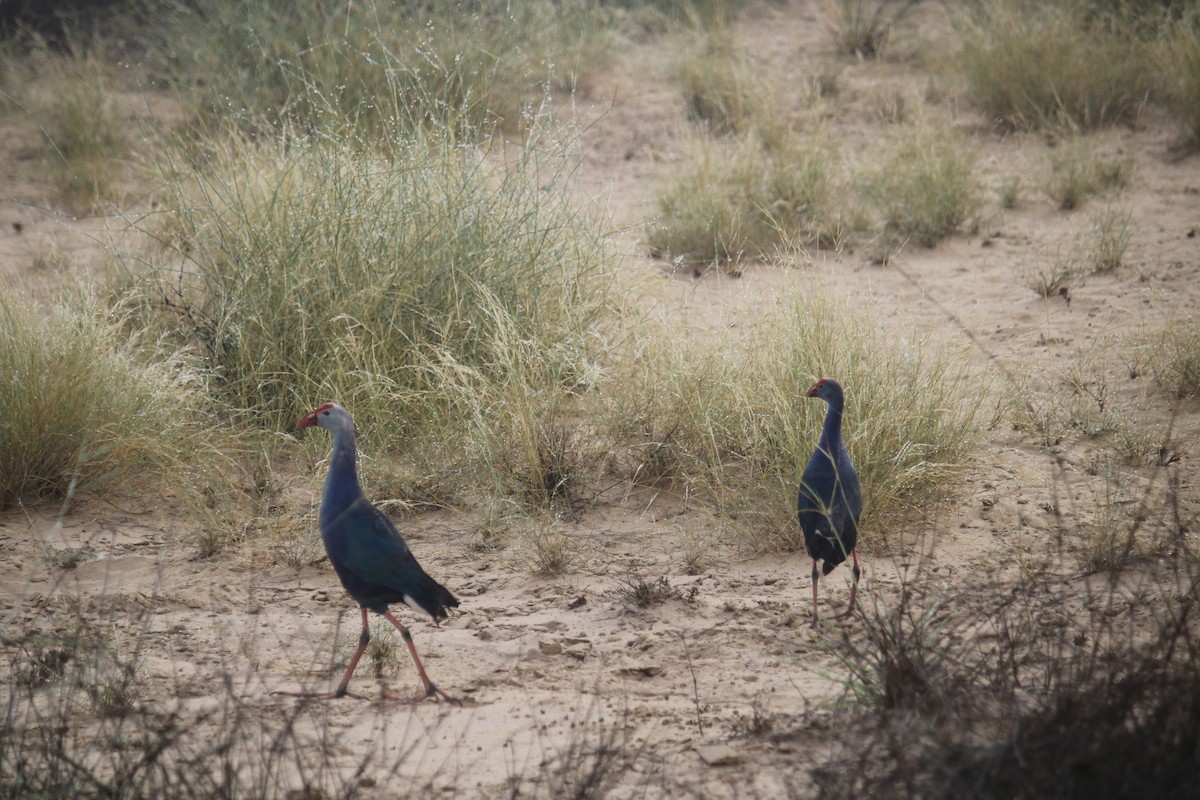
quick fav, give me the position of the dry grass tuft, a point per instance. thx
(83, 413)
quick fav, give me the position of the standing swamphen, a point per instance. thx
(830, 499)
(368, 553)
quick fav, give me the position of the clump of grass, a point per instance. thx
(926, 187)
(743, 429)
(825, 81)
(707, 15)
(43, 665)
(68, 559)
(862, 27)
(719, 88)
(1033, 65)
(1054, 275)
(641, 593)
(302, 271)
(649, 457)
(1109, 543)
(383, 656)
(525, 419)
(1175, 358)
(548, 549)
(82, 412)
(1078, 172)
(1109, 237)
(1177, 58)
(70, 98)
(543, 458)
(891, 105)
(695, 551)
(1099, 249)
(1139, 442)
(1010, 192)
(114, 691)
(736, 200)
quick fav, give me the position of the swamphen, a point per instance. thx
(368, 553)
(830, 499)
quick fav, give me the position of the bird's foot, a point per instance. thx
(319, 695)
(430, 691)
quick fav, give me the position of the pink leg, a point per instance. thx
(341, 690)
(857, 572)
(816, 576)
(430, 689)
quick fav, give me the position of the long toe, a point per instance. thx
(318, 695)
(446, 697)
(430, 691)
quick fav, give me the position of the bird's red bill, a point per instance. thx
(310, 420)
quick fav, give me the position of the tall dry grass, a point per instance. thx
(381, 69)
(727, 414)
(84, 410)
(302, 270)
(1034, 65)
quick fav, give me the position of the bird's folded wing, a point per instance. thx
(372, 547)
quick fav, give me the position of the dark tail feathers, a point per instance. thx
(434, 598)
(830, 564)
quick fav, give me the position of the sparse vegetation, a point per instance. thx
(378, 70)
(68, 97)
(695, 550)
(1053, 275)
(137, 744)
(737, 200)
(862, 27)
(1109, 237)
(641, 593)
(1041, 694)
(1098, 249)
(1177, 60)
(902, 662)
(377, 203)
(549, 550)
(1175, 358)
(1078, 172)
(720, 90)
(1010, 192)
(926, 187)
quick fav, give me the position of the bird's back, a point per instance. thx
(829, 505)
(374, 563)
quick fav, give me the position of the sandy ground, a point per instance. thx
(548, 668)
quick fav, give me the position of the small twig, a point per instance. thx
(695, 686)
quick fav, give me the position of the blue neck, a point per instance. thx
(341, 485)
(831, 433)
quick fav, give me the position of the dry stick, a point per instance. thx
(695, 687)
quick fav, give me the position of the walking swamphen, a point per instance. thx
(369, 555)
(830, 500)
